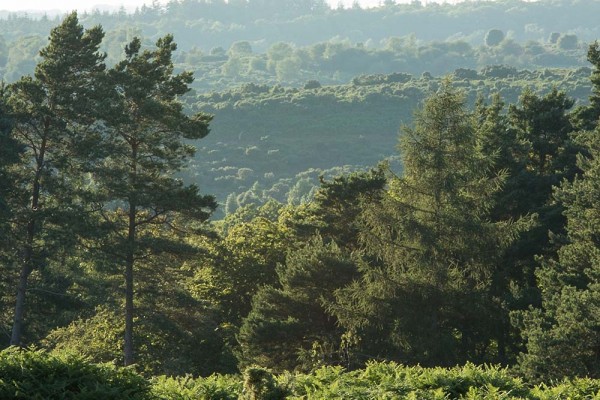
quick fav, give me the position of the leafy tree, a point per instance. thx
(553, 38)
(9, 155)
(145, 146)
(431, 249)
(53, 120)
(240, 49)
(494, 37)
(562, 335)
(252, 251)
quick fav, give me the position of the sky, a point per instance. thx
(69, 5)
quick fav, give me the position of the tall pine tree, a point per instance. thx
(145, 143)
(53, 113)
(562, 336)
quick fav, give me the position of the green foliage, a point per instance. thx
(390, 380)
(214, 387)
(36, 374)
(288, 326)
(260, 384)
(97, 339)
(562, 335)
(429, 247)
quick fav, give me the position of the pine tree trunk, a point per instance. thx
(17, 328)
(27, 266)
(128, 348)
(26, 269)
(130, 260)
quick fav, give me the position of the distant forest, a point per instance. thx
(290, 42)
(280, 187)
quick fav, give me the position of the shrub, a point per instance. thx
(215, 387)
(260, 384)
(312, 84)
(37, 374)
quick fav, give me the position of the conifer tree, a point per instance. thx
(586, 117)
(53, 113)
(289, 325)
(562, 336)
(145, 143)
(431, 249)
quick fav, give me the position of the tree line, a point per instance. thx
(483, 249)
(228, 43)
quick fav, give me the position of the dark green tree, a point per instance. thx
(586, 117)
(562, 336)
(9, 155)
(337, 203)
(289, 326)
(146, 208)
(542, 125)
(54, 113)
(431, 248)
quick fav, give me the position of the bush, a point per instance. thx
(37, 374)
(215, 387)
(312, 84)
(260, 384)
(466, 73)
(498, 71)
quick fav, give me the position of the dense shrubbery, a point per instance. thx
(34, 374)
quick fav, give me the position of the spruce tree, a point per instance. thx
(431, 248)
(146, 209)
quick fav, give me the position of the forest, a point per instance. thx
(173, 229)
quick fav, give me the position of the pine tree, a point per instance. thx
(145, 143)
(53, 116)
(562, 336)
(9, 155)
(586, 116)
(289, 325)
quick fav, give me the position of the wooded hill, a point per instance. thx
(291, 42)
(274, 142)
